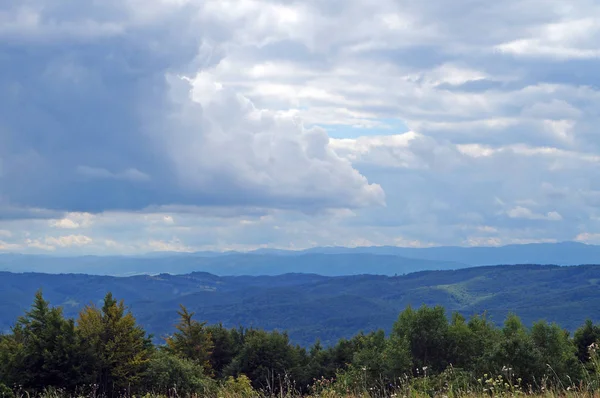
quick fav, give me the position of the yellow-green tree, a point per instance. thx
(119, 347)
(192, 340)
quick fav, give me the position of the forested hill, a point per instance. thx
(311, 306)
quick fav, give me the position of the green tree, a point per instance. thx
(470, 343)
(426, 332)
(268, 359)
(224, 348)
(380, 358)
(517, 354)
(369, 355)
(586, 335)
(43, 350)
(171, 375)
(192, 340)
(479, 346)
(396, 357)
(119, 347)
(557, 351)
(6, 392)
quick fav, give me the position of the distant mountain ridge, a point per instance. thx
(562, 253)
(329, 261)
(232, 264)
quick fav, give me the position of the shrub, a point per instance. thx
(168, 373)
(239, 387)
(6, 392)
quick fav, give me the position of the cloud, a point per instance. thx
(174, 245)
(64, 223)
(5, 246)
(73, 221)
(68, 241)
(132, 175)
(197, 124)
(37, 244)
(132, 120)
(523, 212)
(52, 243)
(586, 237)
(562, 40)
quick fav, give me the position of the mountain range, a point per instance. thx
(327, 261)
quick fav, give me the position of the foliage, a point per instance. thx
(312, 307)
(240, 386)
(192, 341)
(268, 359)
(584, 337)
(43, 349)
(427, 334)
(225, 346)
(119, 347)
(106, 353)
(6, 392)
(167, 372)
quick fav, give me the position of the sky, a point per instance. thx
(134, 126)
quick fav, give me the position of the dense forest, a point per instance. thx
(104, 352)
(311, 307)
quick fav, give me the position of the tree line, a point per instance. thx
(106, 352)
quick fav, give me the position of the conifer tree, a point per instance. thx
(192, 340)
(120, 348)
(224, 349)
(43, 350)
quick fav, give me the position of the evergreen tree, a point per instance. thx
(119, 347)
(43, 350)
(192, 340)
(224, 348)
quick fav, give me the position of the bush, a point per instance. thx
(240, 387)
(168, 373)
(6, 392)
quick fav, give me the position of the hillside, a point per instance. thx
(330, 307)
